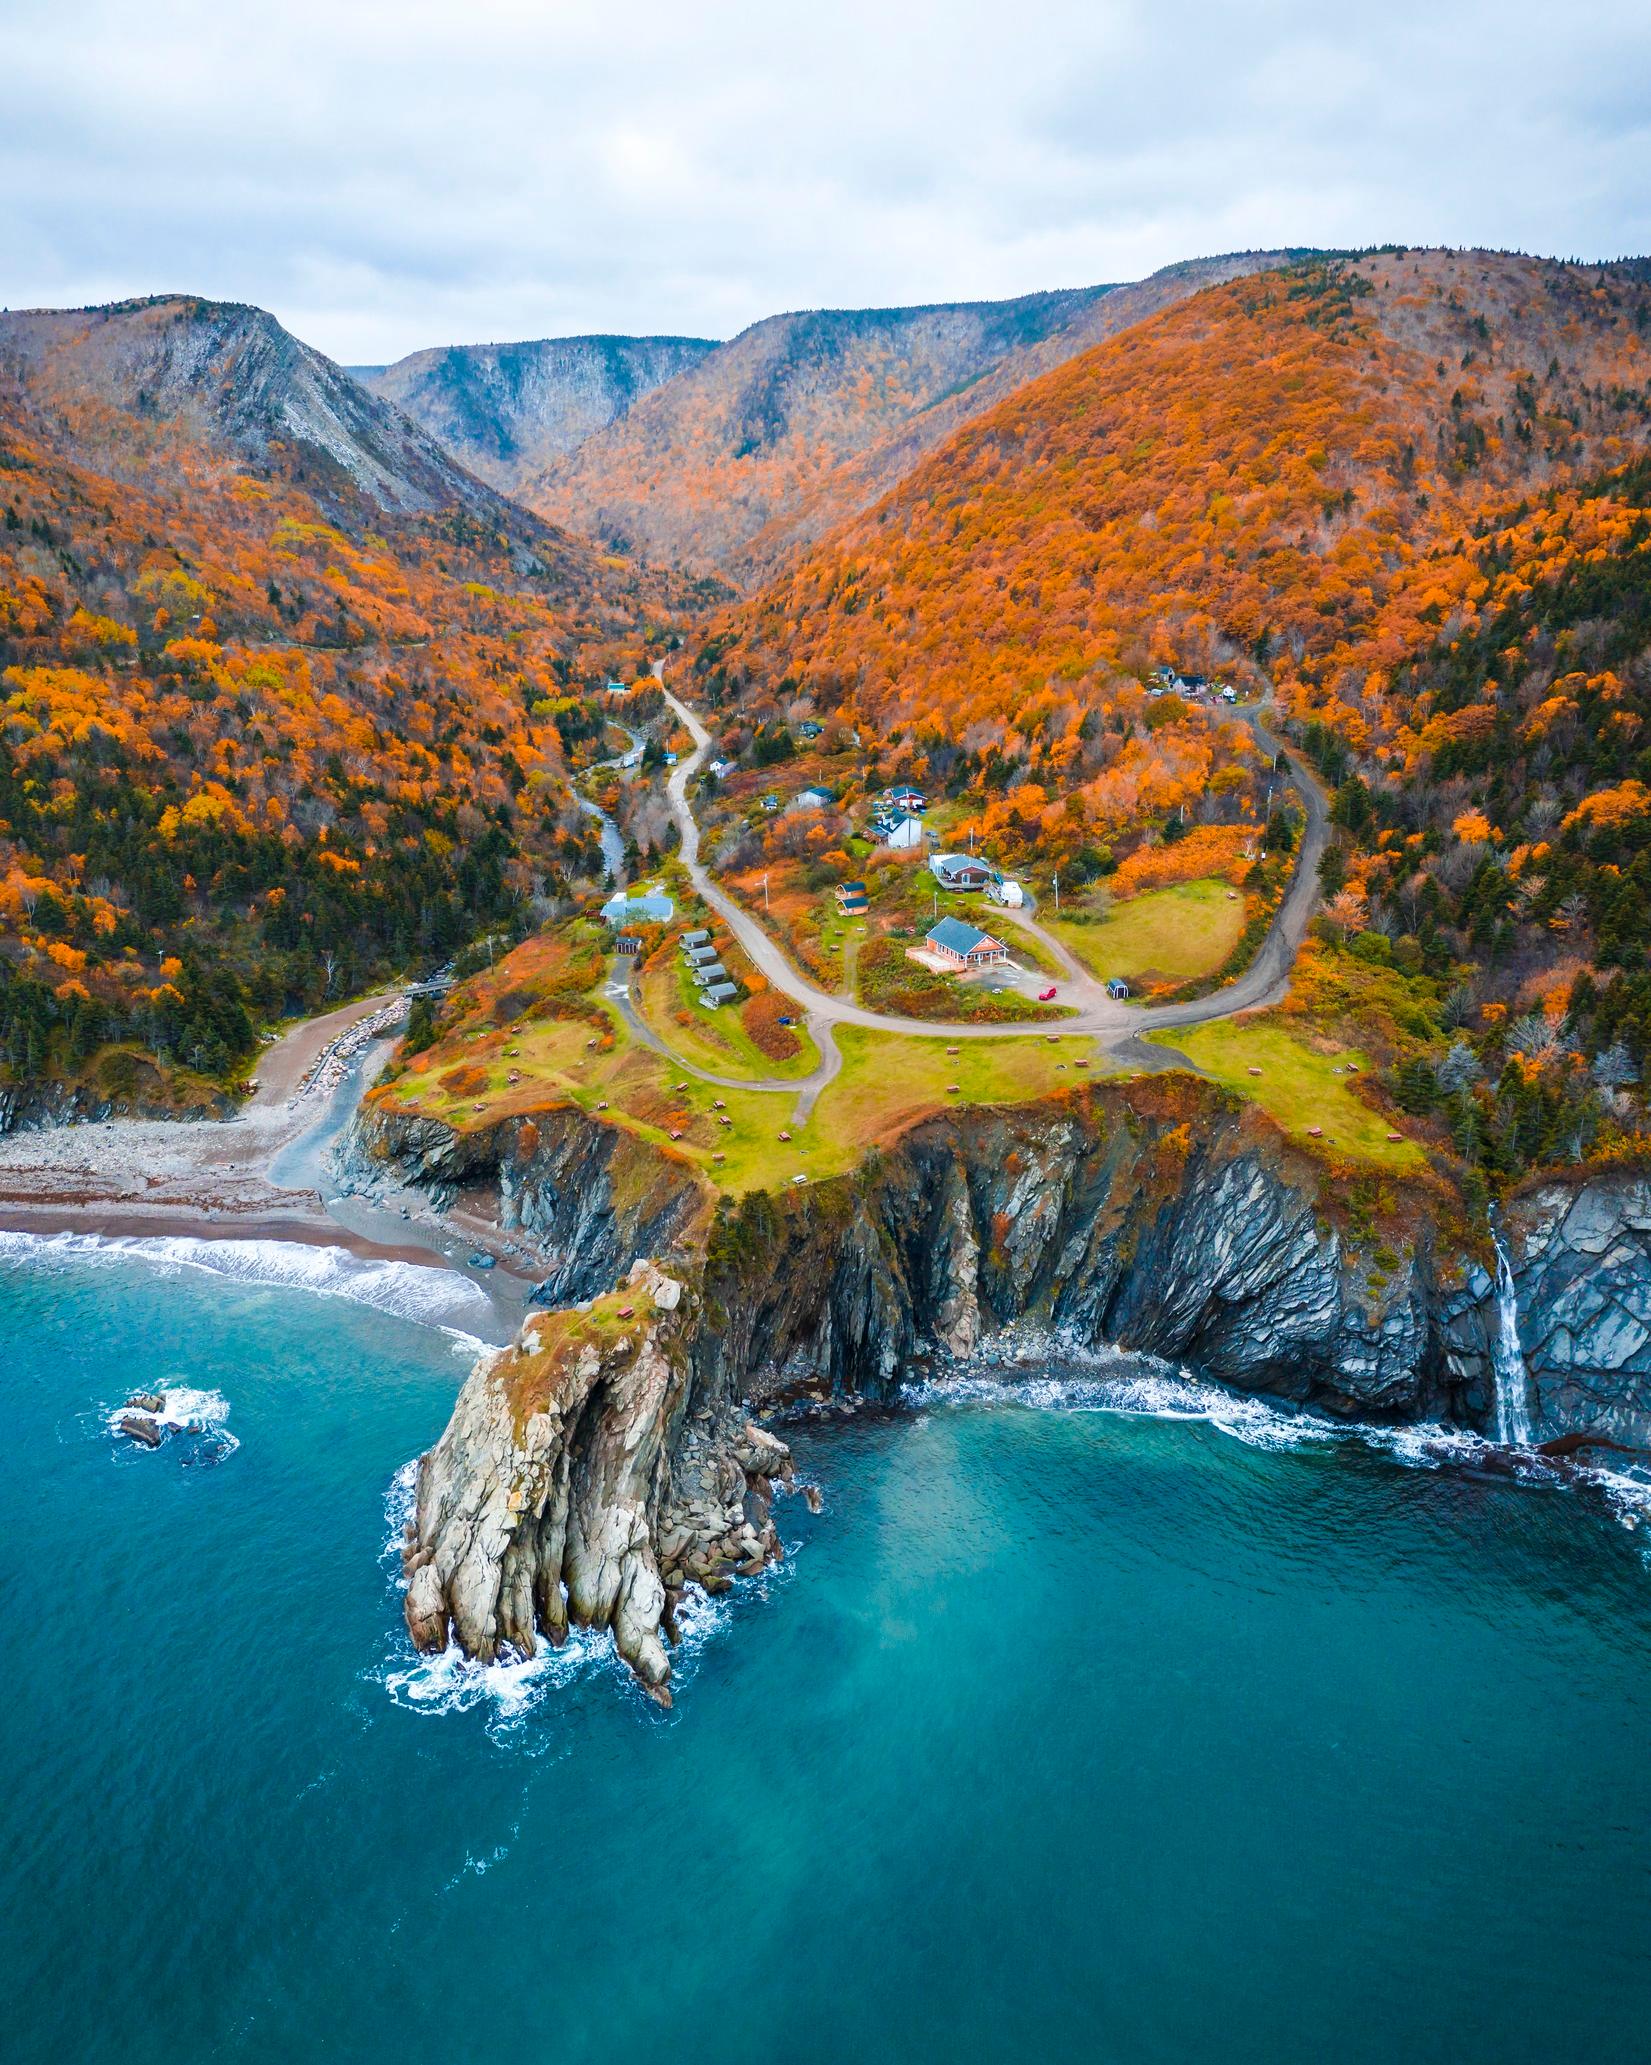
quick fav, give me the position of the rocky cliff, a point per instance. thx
(1158, 1216)
(235, 381)
(583, 1199)
(586, 1477)
(509, 411)
(1581, 1258)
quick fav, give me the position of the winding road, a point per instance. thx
(1115, 1026)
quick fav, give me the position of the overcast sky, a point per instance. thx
(390, 176)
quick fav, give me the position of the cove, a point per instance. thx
(1060, 1731)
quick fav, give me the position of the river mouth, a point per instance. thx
(1064, 1728)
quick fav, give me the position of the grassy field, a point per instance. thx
(716, 1040)
(1297, 1086)
(1172, 935)
(887, 1083)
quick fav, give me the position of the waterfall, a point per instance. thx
(1513, 1388)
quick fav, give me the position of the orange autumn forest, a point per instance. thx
(280, 726)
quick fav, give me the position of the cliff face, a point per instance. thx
(593, 1479)
(508, 411)
(585, 1199)
(238, 382)
(1102, 1223)
(1582, 1273)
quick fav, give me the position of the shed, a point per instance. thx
(700, 936)
(627, 943)
(719, 993)
(700, 956)
(1117, 988)
(711, 972)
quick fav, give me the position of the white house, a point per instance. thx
(905, 833)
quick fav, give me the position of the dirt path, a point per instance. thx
(806, 1089)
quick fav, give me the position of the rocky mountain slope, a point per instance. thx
(511, 411)
(290, 702)
(804, 419)
(226, 378)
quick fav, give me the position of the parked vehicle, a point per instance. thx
(1047, 996)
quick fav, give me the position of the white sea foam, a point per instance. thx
(185, 1411)
(1108, 1380)
(430, 1297)
(513, 1688)
(1111, 1380)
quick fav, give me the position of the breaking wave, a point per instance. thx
(432, 1297)
(1114, 1380)
(184, 1411)
(513, 1688)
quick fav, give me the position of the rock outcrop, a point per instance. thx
(611, 1459)
(585, 1199)
(1582, 1275)
(584, 1478)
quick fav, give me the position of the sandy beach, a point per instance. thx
(257, 1176)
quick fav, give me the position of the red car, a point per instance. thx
(1047, 996)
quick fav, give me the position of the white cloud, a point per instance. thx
(390, 176)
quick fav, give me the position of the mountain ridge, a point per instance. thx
(509, 410)
(807, 417)
(229, 378)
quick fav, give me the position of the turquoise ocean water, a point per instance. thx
(1064, 1732)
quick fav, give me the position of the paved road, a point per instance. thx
(1116, 1026)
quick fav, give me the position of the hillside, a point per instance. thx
(1409, 493)
(229, 379)
(1278, 472)
(265, 741)
(805, 419)
(509, 411)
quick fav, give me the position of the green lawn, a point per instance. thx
(886, 1084)
(715, 1040)
(1297, 1086)
(888, 1080)
(1171, 935)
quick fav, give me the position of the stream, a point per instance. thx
(613, 844)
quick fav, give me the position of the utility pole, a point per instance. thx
(765, 889)
(1057, 892)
